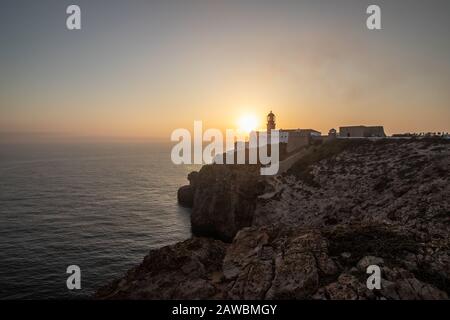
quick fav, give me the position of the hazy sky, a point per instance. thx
(145, 68)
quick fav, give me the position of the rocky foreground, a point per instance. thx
(312, 232)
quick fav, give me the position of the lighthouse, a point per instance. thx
(270, 122)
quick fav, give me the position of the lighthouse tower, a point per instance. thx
(270, 122)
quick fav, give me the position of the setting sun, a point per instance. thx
(248, 123)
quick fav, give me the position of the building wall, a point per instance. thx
(377, 131)
(351, 131)
(361, 132)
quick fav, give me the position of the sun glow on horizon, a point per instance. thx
(247, 123)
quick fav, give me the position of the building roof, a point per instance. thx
(360, 126)
(301, 130)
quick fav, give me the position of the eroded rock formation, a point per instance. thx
(225, 199)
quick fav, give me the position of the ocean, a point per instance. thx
(101, 207)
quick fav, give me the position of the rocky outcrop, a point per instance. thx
(282, 262)
(225, 199)
(276, 263)
(185, 194)
(311, 233)
(186, 270)
(397, 182)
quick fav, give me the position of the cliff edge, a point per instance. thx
(311, 232)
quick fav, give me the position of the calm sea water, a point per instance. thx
(99, 206)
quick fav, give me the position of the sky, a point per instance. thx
(145, 68)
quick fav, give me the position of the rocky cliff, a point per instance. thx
(223, 199)
(311, 233)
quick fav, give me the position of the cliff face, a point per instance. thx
(314, 230)
(224, 199)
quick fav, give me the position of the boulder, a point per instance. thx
(276, 263)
